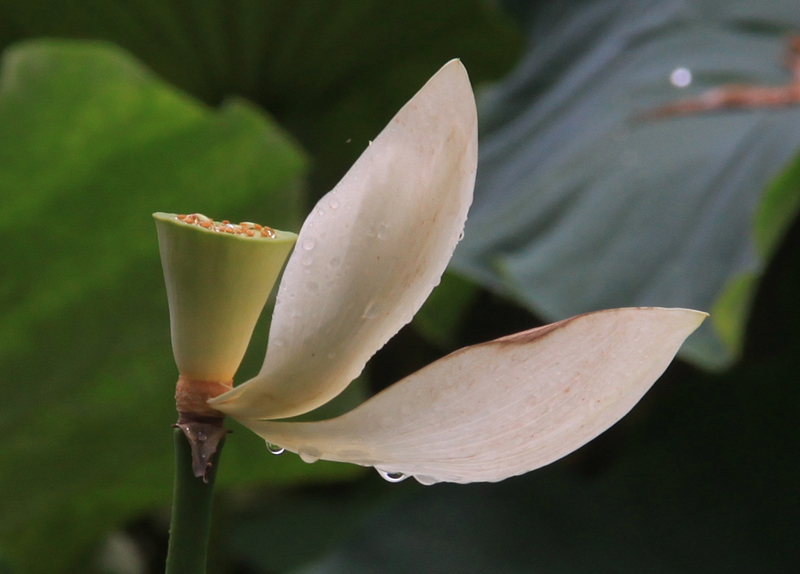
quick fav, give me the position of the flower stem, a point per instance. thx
(191, 511)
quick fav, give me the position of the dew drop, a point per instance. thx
(312, 286)
(371, 311)
(331, 355)
(309, 456)
(307, 261)
(383, 231)
(425, 480)
(333, 203)
(335, 262)
(461, 235)
(392, 476)
(680, 77)
(308, 244)
(275, 449)
(321, 212)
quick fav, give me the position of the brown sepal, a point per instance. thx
(203, 434)
(200, 423)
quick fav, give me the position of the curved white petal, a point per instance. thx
(506, 407)
(370, 253)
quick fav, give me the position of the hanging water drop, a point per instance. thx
(425, 480)
(309, 456)
(275, 449)
(392, 476)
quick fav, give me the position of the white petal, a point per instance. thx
(370, 253)
(506, 407)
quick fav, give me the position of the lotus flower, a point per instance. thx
(365, 260)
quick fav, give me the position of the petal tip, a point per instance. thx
(692, 317)
(453, 79)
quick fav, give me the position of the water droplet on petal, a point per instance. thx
(331, 355)
(389, 476)
(312, 286)
(334, 203)
(309, 455)
(275, 449)
(335, 262)
(383, 231)
(461, 235)
(308, 244)
(371, 311)
(321, 212)
(425, 480)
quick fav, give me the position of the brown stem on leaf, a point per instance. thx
(201, 424)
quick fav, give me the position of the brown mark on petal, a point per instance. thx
(532, 334)
(201, 424)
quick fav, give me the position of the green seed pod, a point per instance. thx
(218, 278)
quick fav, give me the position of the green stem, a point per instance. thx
(191, 511)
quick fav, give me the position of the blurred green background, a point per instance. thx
(250, 110)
